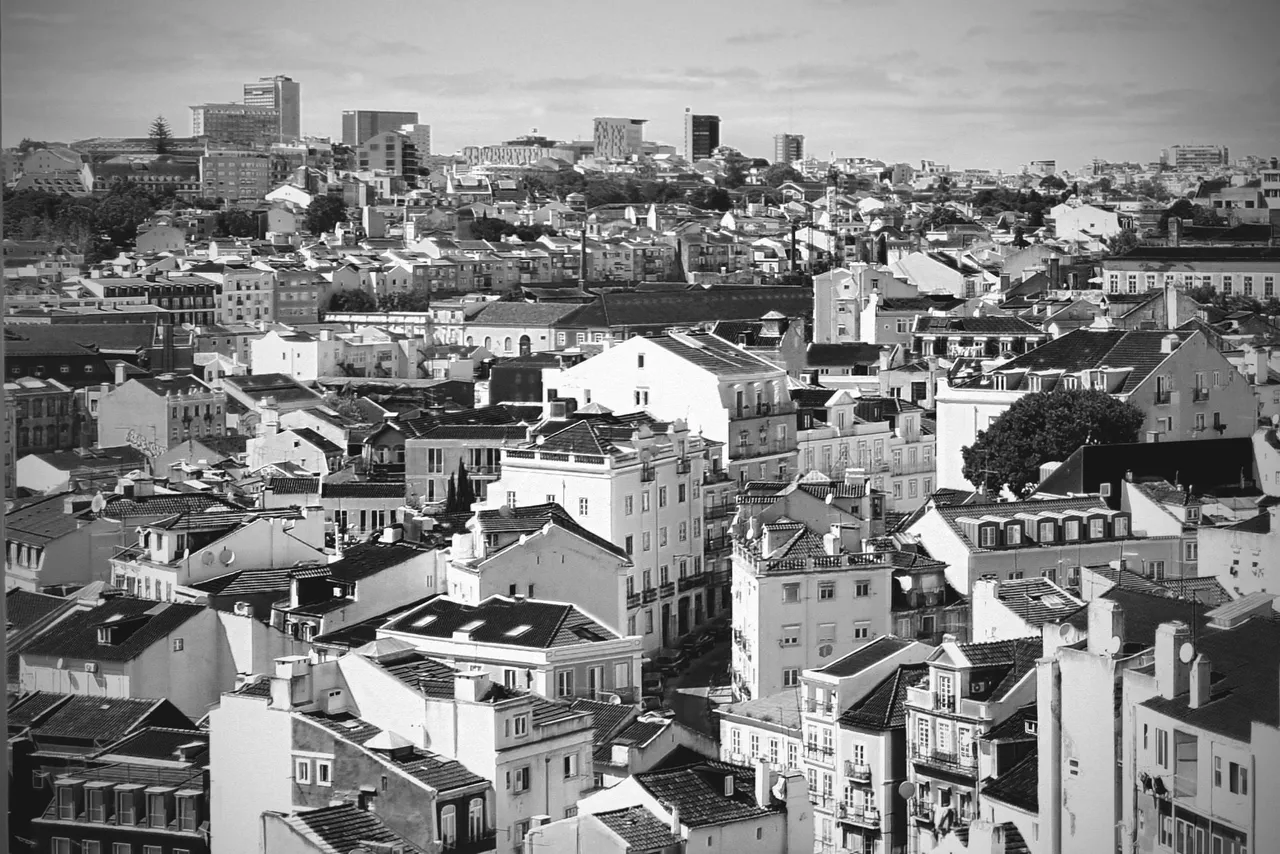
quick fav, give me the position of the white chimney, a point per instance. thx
(1173, 675)
(1201, 674)
(119, 373)
(675, 821)
(764, 781)
(1169, 343)
(1106, 621)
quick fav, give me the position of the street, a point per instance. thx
(687, 694)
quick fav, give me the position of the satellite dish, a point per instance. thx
(907, 789)
(1186, 652)
(1113, 645)
(831, 496)
(207, 559)
(98, 504)
(1064, 631)
(227, 557)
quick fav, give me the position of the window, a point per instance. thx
(681, 493)
(791, 635)
(570, 765)
(1097, 529)
(475, 819)
(152, 849)
(646, 541)
(628, 505)
(582, 507)
(1191, 551)
(97, 805)
(640, 360)
(1238, 779)
(93, 846)
(644, 502)
(735, 740)
(755, 745)
(1217, 772)
(629, 545)
(790, 677)
(1157, 569)
(862, 588)
(1013, 535)
(987, 536)
(923, 733)
(520, 782)
(61, 845)
(827, 590)
(791, 592)
(66, 803)
(683, 532)
(121, 848)
(511, 499)
(324, 773)
(564, 683)
(773, 751)
(861, 631)
(449, 826)
(793, 754)
(648, 621)
(125, 813)
(662, 496)
(1162, 748)
(662, 536)
(521, 725)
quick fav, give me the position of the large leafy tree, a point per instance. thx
(161, 136)
(1045, 426)
(781, 173)
(352, 301)
(324, 213)
(235, 223)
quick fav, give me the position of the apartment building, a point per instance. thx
(520, 550)
(969, 689)
(554, 649)
(1179, 378)
(637, 484)
(880, 436)
(400, 736)
(842, 296)
(767, 728)
(853, 775)
(155, 413)
(788, 147)
(618, 138)
(45, 417)
(283, 94)
(701, 135)
(236, 174)
(1251, 271)
(719, 389)
(359, 125)
(388, 151)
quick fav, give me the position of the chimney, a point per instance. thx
(1106, 623)
(1172, 320)
(119, 373)
(1175, 231)
(1172, 673)
(675, 821)
(764, 780)
(1201, 673)
(470, 686)
(1169, 343)
(1055, 272)
(1004, 283)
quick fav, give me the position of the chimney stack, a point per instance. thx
(1173, 675)
(764, 781)
(1106, 621)
(120, 373)
(1201, 673)
(1055, 272)
(675, 821)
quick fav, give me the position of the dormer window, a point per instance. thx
(104, 636)
(1013, 535)
(1120, 526)
(1193, 514)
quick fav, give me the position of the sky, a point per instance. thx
(981, 84)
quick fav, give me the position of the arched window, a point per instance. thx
(475, 819)
(525, 345)
(488, 343)
(449, 826)
(506, 344)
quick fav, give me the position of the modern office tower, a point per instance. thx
(788, 147)
(1198, 157)
(281, 93)
(420, 136)
(617, 138)
(359, 125)
(241, 124)
(701, 135)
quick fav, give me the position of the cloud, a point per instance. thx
(48, 19)
(676, 80)
(758, 37)
(1023, 66)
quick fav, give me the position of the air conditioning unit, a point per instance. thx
(91, 667)
(244, 609)
(1104, 490)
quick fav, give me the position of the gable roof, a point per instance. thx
(529, 623)
(1037, 600)
(698, 792)
(22, 608)
(137, 624)
(534, 517)
(342, 828)
(870, 653)
(638, 828)
(883, 707)
(712, 353)
(686, 307)
(102, 719)
(1019, 786)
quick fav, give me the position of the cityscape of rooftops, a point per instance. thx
(841, 428)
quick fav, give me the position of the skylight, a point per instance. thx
(471, 626)
(517, 631)
(424, 621)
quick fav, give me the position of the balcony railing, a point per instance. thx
(720, 576)
(763, 449)
(717, 542)
(647, 474)
(650, 594)
(1163, 396)
(814, 707)
(919, 808)
(822, 801)
(858, 772)
(719, 511)
(945, 759)
(1200, 394)
(859, 814)
(683, 466)
(818, 753)
(668, 589)
(690, 582)
(633, 600)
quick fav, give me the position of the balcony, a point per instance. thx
(1200, 395)
(858, 772)
(718, 542)
(749, 553)
(814, 753)
(719, 511)
(945, 760)
(684, 466)
(1163, 397)
(487, 841)
(650, 594)
(648, 474)
(691, 582)
(858, 814)
(920, 809)
(814, 707)
(667, 589)
(763, 449)
(720, 576)
(821, 801)
(633, 600)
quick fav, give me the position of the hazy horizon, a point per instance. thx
(965, 84)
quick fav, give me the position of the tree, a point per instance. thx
(711, 199)
(324, 213)
(466, 494)
(28, 145)
(780, 173)
(451, 496)
(352, 301)
(940, 216)
(401, 301)
(235, 223)
(1124, 241)
(1186, 209)
(484, 228)
(1045, 426)
(161, 136)
(1052, 182)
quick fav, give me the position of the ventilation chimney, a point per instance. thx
(1201, 673)
(1169, 343)
(120, 373)
(675, 821)
(1175, 231)
(1172, 673)
(764, 780)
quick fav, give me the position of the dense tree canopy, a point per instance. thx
(1186, 209)
(324, 213)
(352, 301)
(1043, 427)
(412, 301)
(97, 226)
(493, 228)
(780, 173)
(235, 223)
